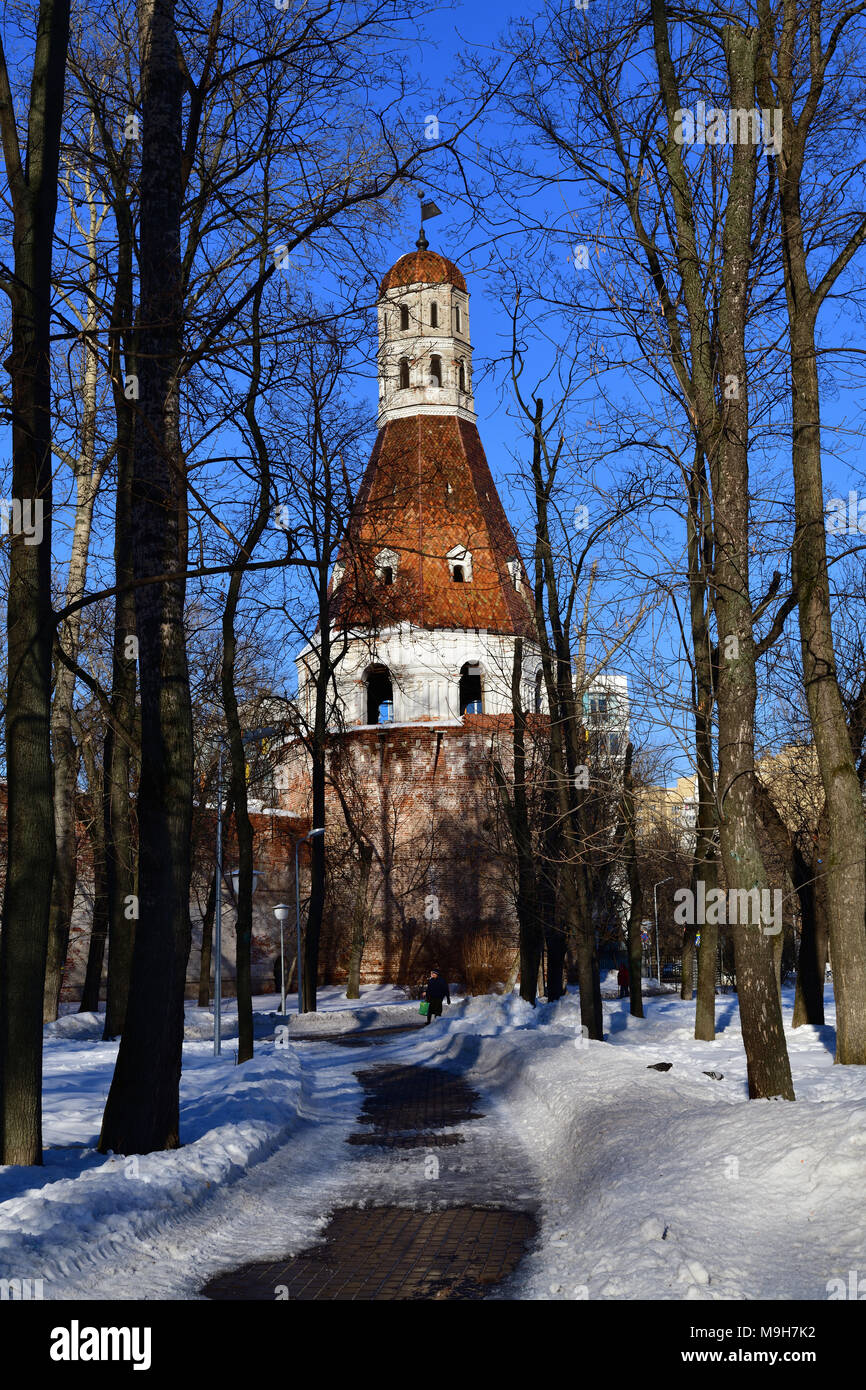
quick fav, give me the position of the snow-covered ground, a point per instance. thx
(662, 1185)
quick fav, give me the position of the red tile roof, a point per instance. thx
(404, 504)
(422, 267)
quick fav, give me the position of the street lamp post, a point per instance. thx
(312, 834)
(656, 886)
(281, 912)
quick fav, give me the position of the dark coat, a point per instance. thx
(437, 990)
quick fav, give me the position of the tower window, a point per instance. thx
(458, 319)
(434, 315)
(435, 370)
(461, 374)
(386, 565)
(380, 696)
(404, 373)
(460, 565)
(404, 316)
(471, 696)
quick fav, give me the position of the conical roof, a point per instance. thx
(428, 495)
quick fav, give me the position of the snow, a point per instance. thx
(651, 1185)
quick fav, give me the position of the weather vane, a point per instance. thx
(428, 210)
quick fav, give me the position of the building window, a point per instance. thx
(386, 564)
(435, 370)
(593, 703)
(514, 569)
(434, 315)
(458, 319)
(471, 695)
(461, 374)
(460, 565)
(404, 316)
(404, 373)
(380, 696)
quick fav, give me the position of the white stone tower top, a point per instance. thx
(425, 354)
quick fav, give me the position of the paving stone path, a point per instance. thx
(453, 1246)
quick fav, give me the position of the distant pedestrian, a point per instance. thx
(437, 990)
(622, 979)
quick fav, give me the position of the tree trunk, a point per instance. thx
(238, 784)
(562, 757)
(315, 911)
(120, 739)
(512, 794)
(718, 367)
(845, 860)
(687, 963)
(700, 560)
(88, 477)
(814, 935)
(359, 921)
(768, 1067)
(318, 742)
(99, 925)
(635, 913)
(142, 1111)
(66, 862)
(30, 814)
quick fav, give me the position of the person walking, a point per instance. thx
(622, 979)
(437, 990)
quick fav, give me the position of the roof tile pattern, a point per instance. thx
(420, 267)
(428, 489)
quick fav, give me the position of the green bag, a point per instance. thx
(424, 1007)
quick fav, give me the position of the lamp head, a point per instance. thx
(281, 912)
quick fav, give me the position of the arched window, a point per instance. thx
(460, 565)
(434, 315)
(458, 320)
(380, 695)
(539, 684)
(404, 316)
(461, 374)
(471, 696)
(404, 373)
(435, 370)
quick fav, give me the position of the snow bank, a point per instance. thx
(672, 1185)
(83, 1207)
(356, 1020)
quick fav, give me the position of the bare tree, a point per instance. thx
(32, 161)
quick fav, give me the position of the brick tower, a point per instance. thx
(428, 598)
(430, 591)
